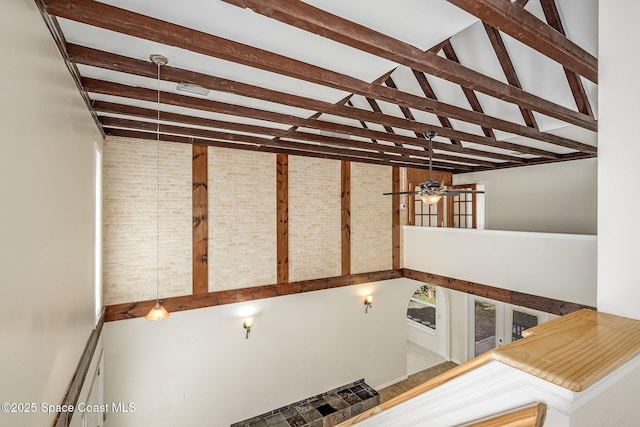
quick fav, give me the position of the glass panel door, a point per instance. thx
(521, 321)
(485, 325)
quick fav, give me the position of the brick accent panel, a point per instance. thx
(371, 248)
(242, 219)
(315, 249)
(130, 215)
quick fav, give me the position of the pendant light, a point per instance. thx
(158, 312)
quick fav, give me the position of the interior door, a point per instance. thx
(462, 208)
(493, 324)
(487, 326)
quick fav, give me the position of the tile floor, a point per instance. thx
(419, 359)
(422, 365)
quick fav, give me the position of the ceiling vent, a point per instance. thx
(194, 89)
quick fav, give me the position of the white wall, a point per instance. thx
(560, 266)
(46, 220)
(196, 368)
(552, 198)
(618, 152)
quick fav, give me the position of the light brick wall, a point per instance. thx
(242, 219)
(130, 214)
(315, 249)
(370, 218)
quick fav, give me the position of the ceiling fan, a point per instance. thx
(431, 191)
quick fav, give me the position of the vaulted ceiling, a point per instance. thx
(503, 83)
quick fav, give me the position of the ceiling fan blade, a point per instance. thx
(400, 192)
(456, 192)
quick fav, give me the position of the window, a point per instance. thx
(427, 215)
(464, 207)
(422, 306)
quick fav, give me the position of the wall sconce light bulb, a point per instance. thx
(368, 301)
(248, 323)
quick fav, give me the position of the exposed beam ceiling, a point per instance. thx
(520, 24)
(418, 88)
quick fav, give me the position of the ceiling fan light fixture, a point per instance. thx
(430, 199)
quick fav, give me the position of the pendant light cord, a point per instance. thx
(158, 191)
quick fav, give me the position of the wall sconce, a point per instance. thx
(367, 303)
(248, 323)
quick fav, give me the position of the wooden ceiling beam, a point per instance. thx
(508, 69)
(325, 24)
(117, 89)
(101, 107)
(514, 20)
(577, 88)
(305, 150)
(472, 98)
(336, 144)
(444, 121)
(96, 58)
(115, 19)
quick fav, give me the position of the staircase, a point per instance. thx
(580, 370)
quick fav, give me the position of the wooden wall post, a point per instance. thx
(395, 218)
(282, 217)
(200, 212)
(345, 183)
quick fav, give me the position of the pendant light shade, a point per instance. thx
(158, 312)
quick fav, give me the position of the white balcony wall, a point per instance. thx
(558, 266)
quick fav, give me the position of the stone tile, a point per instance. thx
(356, 388)
(352, 399)
(330, 420)
(311, 415)
(336, 401)
(343, 415)
(344, 393)
(356, 409)
(364, 395)
(316, 423)
(297, 421)
(275, 419)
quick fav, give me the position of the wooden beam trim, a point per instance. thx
(520, 24)
(122, 109)
(395, 219)
(444, 121)
(117, 89)
(72, 395)
(282, 218)
(508, 69)
(419, 158)
(322, 153)
(200, 219)
(472, 98)
(333, 27)
(345, 208)
(211, 299)
(126, 22)
(575, 84)
(535, 302)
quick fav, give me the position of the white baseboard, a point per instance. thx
(392, 382)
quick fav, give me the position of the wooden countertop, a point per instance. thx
(576, 350)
